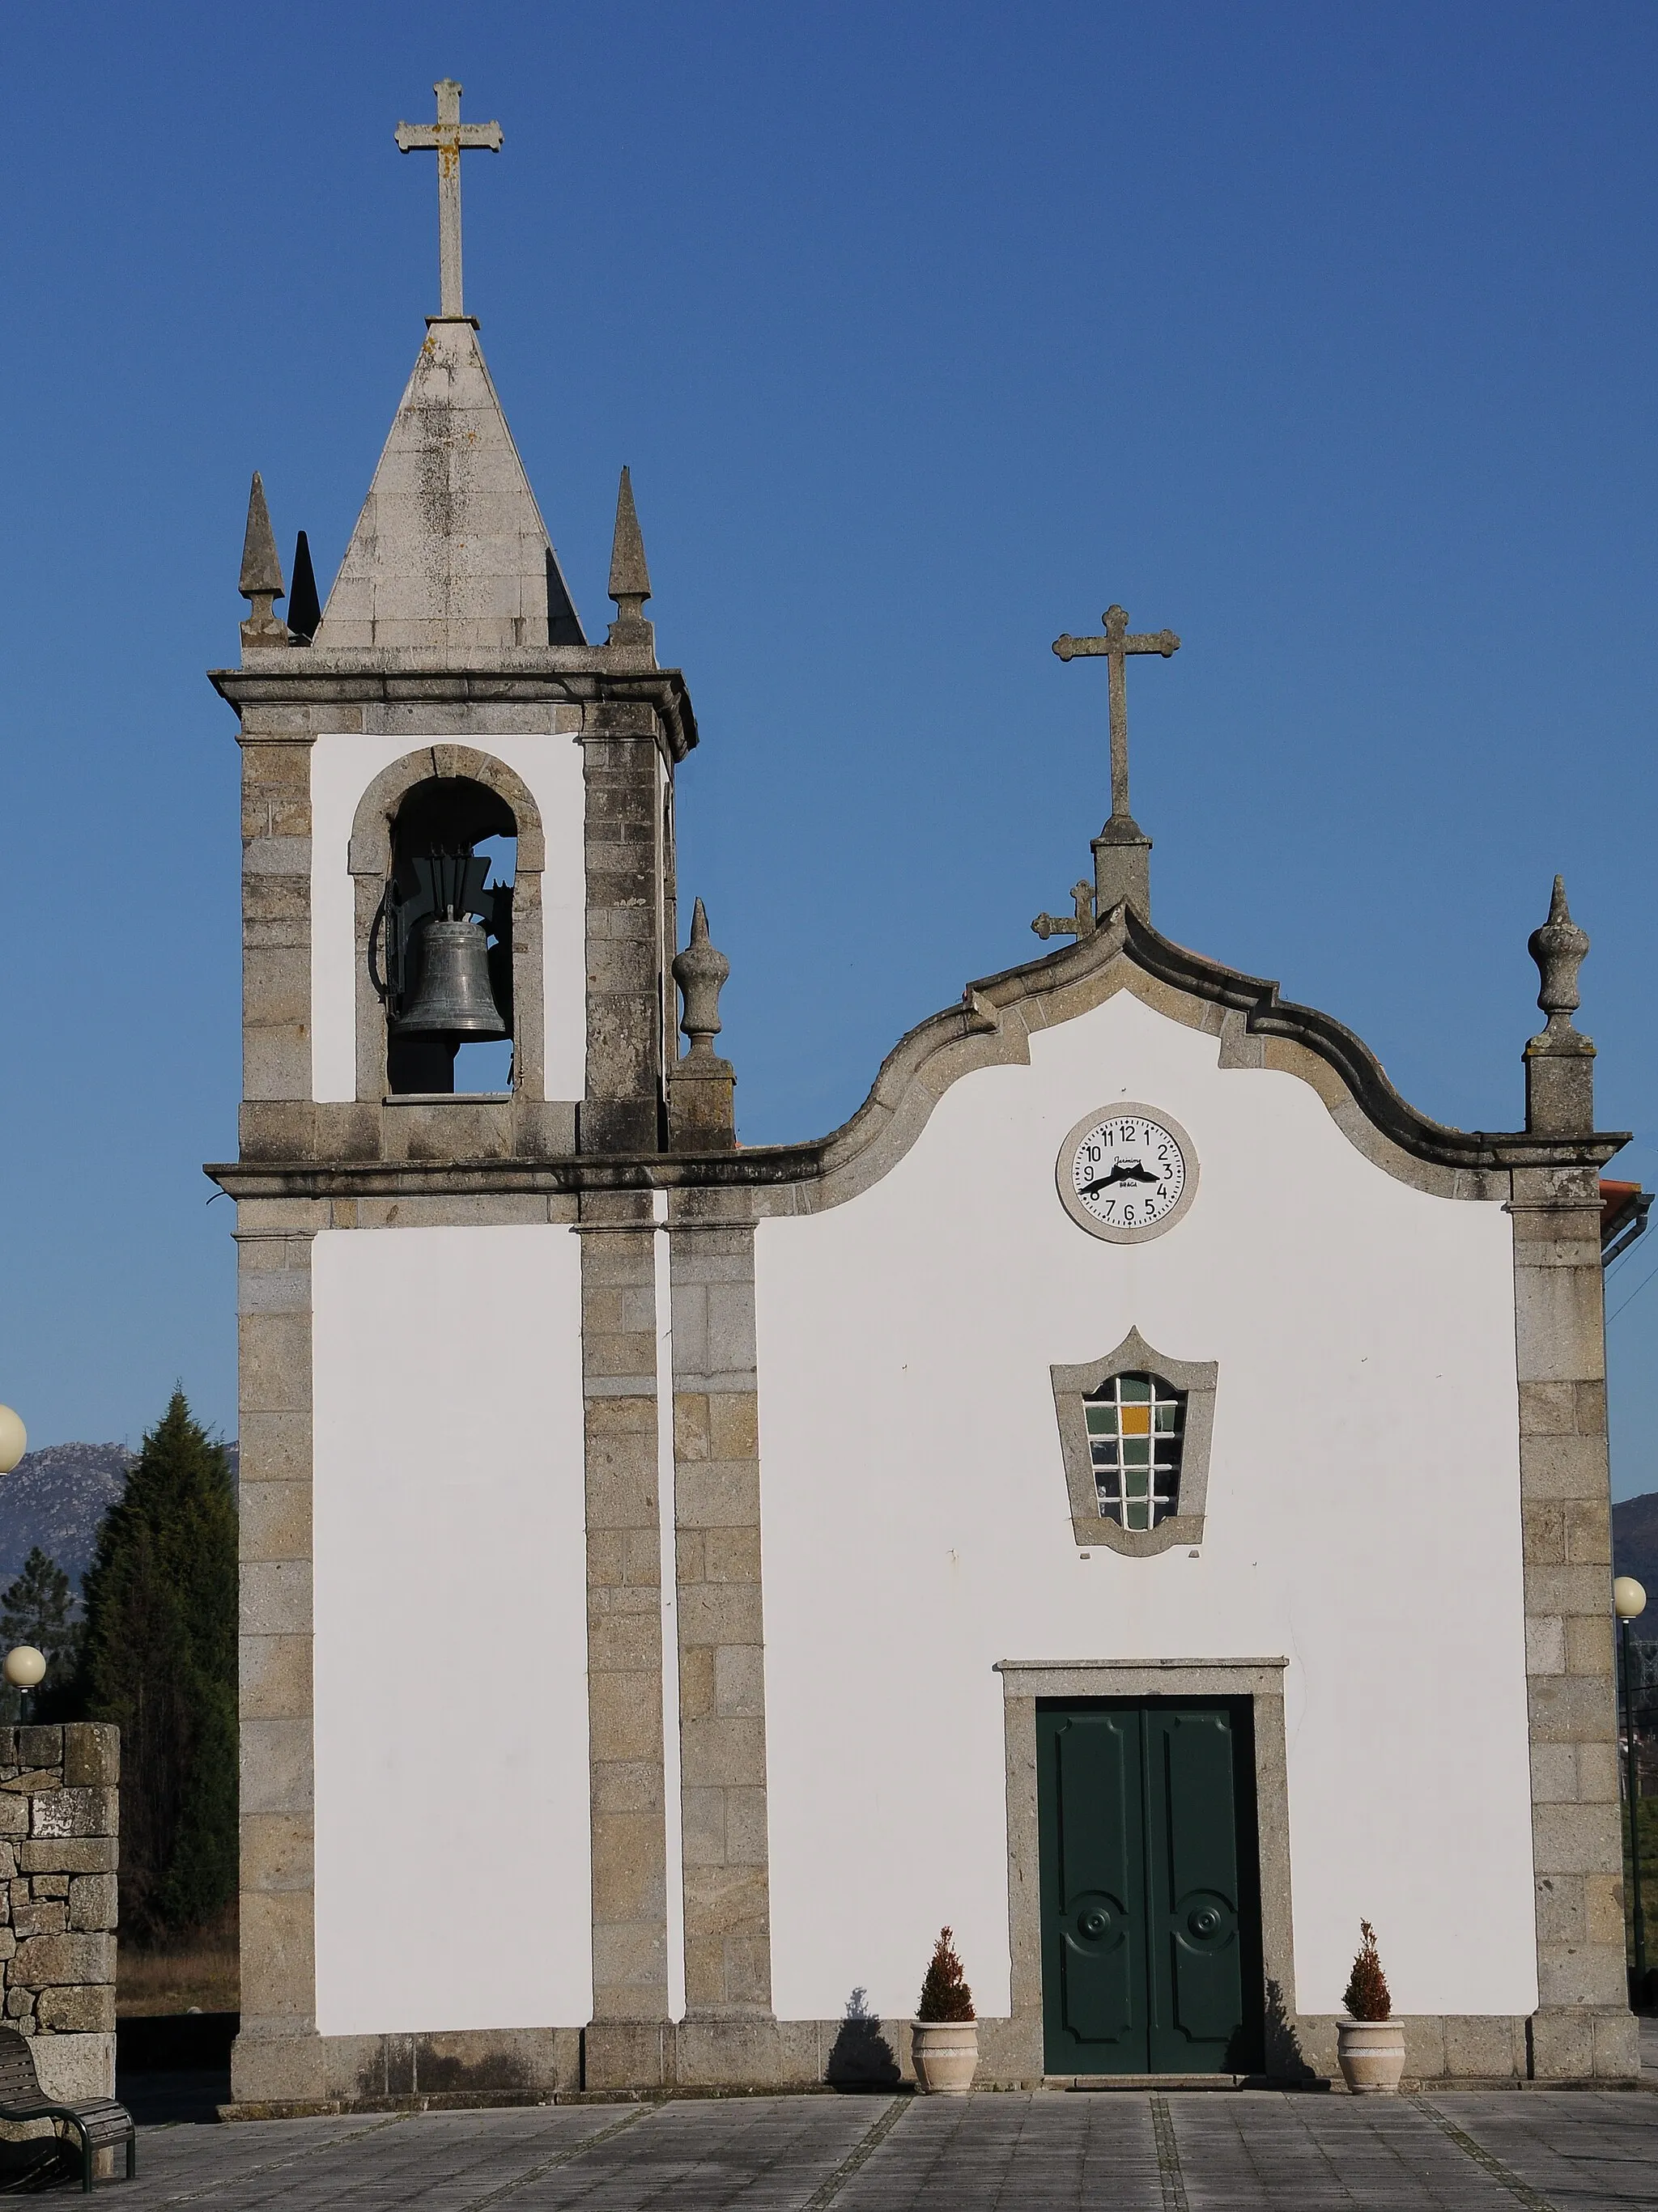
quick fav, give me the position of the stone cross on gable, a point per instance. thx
(1119, 851)
(447, 139)
(1115, 646)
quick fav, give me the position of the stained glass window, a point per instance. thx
(1136, 1425)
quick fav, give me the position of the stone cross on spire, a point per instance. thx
(1120, 851)
(447, 138)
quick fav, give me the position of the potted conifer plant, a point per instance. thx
(946, 2033)
(1369, 2042)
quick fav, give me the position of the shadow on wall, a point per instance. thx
(1285, 2061)
(862, 2057)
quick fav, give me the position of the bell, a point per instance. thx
(454, 993)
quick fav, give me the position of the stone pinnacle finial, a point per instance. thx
(629, 578)
(700, 1102)
(1559, 948)
(1559, 1059)
(261, 573)
(700, 972)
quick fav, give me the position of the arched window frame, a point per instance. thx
(1195, 1381)
(370, 864)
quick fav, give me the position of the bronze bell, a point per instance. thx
(454, 994)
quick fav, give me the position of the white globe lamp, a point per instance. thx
(14, 1440)
(24, 1666)
(1628, 1598)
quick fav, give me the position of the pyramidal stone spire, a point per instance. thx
(261, 573)
(629, 578)
(1560, 1059)
(304, 612)
(449, 554)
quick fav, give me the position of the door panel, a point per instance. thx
(1150, 1937)
(1197, 1949)
(1100, 1898)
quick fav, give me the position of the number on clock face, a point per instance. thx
(1129, 1172)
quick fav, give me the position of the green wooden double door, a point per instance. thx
(1151, 1960)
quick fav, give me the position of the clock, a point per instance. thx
(1127, 1173)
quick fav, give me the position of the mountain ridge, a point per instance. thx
(56, 1498)
(1634, 1549)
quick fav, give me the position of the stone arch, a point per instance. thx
(370, 864)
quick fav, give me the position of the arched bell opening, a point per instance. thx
(440, 952)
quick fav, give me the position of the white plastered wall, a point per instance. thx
(452, 1837)
(1362, 1521)
(344, 764)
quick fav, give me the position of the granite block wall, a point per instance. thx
(59, 1843)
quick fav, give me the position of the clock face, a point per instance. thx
(1127, 1173)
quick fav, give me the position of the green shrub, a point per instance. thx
(944, 1994)
(1367, 1996)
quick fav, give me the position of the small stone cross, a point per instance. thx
(1115, 645)
(1080, 924)
(447, 138)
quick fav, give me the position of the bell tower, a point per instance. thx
(459, 924)
(492, 884)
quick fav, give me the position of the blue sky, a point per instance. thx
(1324, 336)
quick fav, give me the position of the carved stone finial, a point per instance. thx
(700, 972)
(629, 578)
(1559, 1059)
(261, 573)
(701, 1106)
(1559, 948)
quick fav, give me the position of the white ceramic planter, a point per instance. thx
(946, 2053)
(1371, 2056)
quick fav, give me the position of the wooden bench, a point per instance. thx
(100, 2123)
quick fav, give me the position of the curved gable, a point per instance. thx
(999, 1014)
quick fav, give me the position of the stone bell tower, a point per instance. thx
(445, 744)
(450, 625)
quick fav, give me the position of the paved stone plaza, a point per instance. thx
(1572, 2151)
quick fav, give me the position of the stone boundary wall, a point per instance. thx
(59, 1829)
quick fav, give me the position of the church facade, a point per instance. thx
(1137, 1493)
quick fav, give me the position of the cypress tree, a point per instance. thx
(159, 1659)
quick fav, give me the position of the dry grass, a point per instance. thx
(202, 1973)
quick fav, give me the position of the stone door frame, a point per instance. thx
(1259, 1681)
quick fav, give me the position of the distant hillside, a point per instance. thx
(56, 1498)
(1635, 1546)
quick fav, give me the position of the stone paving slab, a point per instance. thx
(1056, 2152)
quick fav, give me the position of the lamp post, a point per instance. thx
(1629, 1602)
(23, 1667)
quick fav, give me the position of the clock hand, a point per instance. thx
(1121, 1171)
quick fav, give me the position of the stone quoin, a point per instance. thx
(880, 1531)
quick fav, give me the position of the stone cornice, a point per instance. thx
(761, 1166)
(567, 675)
